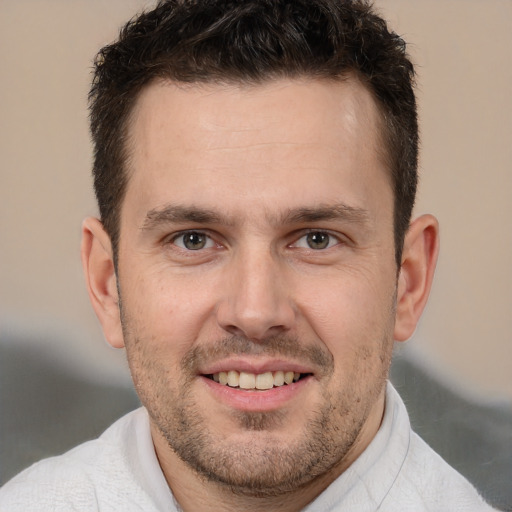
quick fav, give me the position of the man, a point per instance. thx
(255, 170)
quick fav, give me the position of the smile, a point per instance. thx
(260, 381)
(258, 389)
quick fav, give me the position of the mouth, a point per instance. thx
(256, 381)
(258, 386)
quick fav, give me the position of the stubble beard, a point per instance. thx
(262, 466)
(259, 467)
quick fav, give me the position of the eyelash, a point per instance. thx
(331, 238)
(210, 242)
(183, 234)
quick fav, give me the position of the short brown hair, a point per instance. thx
(251, 41)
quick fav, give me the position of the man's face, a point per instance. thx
(257, 245)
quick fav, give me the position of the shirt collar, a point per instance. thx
(364, 485)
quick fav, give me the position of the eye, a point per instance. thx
(316, 240)
(193, 241)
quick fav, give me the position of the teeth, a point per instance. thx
(262, 381)
(247, 380)
(233, 379)
(265, 381)
(278, 378)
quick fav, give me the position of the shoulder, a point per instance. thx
(94, 473)
(421, 479)
(427, 482)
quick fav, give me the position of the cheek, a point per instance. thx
(171, 310)
(352, 314)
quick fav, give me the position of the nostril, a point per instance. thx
(234, 330)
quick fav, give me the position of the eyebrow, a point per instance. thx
(181, 214)
(339, 211)
(177, 214)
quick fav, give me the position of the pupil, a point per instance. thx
(318, 240)
(194, 241)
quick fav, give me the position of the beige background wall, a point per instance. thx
(463, 52)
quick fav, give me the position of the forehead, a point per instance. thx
(213, 109)
(282, 139)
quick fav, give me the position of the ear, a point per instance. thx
(100, 277)
(419, 258)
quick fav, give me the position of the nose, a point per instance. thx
(256, 302)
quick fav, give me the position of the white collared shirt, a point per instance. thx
(398, 472)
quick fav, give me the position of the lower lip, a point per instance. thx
(256, 401)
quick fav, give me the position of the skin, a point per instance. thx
(253, 171)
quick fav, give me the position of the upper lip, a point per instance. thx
(256, 366)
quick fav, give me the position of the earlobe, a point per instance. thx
(101, 281)
(419, 259)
